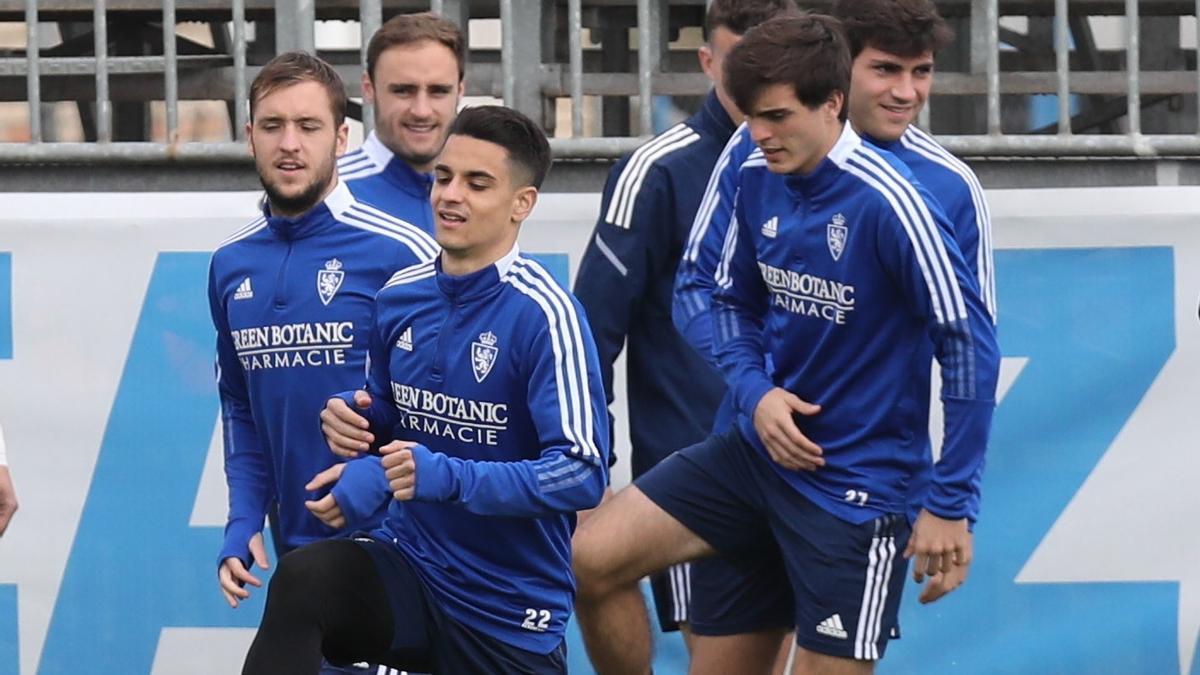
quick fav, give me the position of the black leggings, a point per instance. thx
(324, 599)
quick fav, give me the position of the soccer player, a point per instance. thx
(414, 76)
(484, 396)
(291, 296)
(8, 496)
(627, 273)
(892, 44)
(841, 269)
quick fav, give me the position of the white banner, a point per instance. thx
(1084, 559)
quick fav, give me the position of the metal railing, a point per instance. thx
(526, 80)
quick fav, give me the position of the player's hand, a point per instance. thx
(938, 545)
(233, 575)
(400, 469)
(943, 583)
(8, 499)
(346, 431)
(326, 508)
(773, 421)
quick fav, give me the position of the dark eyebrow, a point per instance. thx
(470, 175)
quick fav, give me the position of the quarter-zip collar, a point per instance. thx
(828, 170)
(477, 283)
(397, 171)
(317, 219)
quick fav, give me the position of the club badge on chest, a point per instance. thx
(483, 355)
(329, 280)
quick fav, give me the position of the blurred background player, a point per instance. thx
(841, 269)
(893, 43)
(8, 496)
(484, 393)
(414, 76)
(627, 272)
(291, 296)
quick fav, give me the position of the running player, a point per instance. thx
(484, 395)
(892, 44)
(291, 296)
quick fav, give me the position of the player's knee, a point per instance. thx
(591, 561)
(300, 576)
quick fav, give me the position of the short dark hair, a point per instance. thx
(807, 51)
(291, 68)
(409, 29)
(739, 16)
(906, 28)
(528, 149)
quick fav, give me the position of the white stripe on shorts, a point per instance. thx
(874, 600)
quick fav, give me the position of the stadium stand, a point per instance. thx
(1031, 80)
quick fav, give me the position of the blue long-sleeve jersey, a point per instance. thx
(291, 300)
(952, 183)
(495, 375)
(844, 277)
(376, 176)
(626, 277)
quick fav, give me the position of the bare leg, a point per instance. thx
(689, 640)
(812, 663)
(620, 542)
(783, 658)
(749, 653)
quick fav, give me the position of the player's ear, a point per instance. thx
(368, 88)
(705, 56)
(343, 137)
(524, 200)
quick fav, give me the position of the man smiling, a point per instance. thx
(484, 396)
(414, 76)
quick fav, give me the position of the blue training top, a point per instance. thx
(378, 177)
(291, 300)
(843, 277)
(626, 276)
(495, 375)
(954, 185)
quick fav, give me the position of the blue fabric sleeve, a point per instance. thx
(691, 309)
(361, 490)
(619, 262)
(926, 264)
(554, 483)
(566, 400)
(739, 310)
(247, 474)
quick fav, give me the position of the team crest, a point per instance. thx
(836, 236)
(483, 355)
(329, 280)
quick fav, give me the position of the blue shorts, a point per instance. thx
(428, 640)
(672, 593)
(846, 579)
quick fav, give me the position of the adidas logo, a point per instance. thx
(405, 340)
(244, 292)
(833, 627)
(771, 227)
